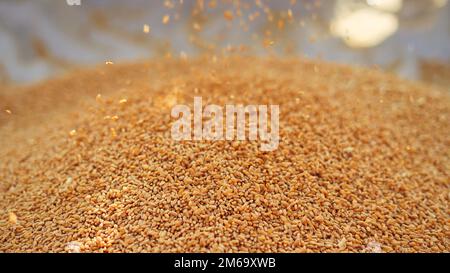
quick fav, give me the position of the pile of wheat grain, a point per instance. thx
(87, 162)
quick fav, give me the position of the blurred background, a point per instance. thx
(43, 38)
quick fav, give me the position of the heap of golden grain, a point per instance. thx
(87, 163)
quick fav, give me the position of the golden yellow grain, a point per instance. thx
(228, 14)
(146, 28)
(166, 19)
(350, 174)
(12, 218)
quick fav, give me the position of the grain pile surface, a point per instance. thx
(87, 163)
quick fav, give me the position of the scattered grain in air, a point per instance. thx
(166, 19)
(196, 26)
(146, 28)
(169, 4)
(212, 4)
(228, 14)
(290, 15)
(183, 56)
(268, 43)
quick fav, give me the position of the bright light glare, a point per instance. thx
(440, 3)
(365, 27)
(386, 5)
